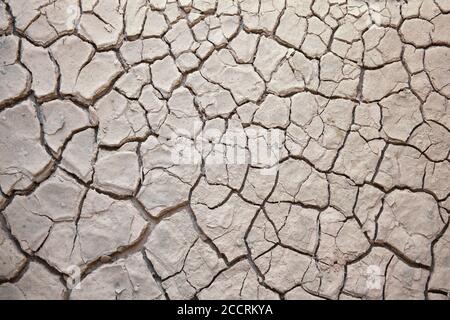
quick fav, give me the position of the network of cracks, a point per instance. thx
(97, 96)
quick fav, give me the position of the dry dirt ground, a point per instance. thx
(219, 149)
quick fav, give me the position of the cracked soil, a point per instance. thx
(98, 98)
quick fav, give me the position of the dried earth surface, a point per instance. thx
(100, 98)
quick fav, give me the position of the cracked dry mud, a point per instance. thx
(92, 93)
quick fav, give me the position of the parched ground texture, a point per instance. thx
(355, 206)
